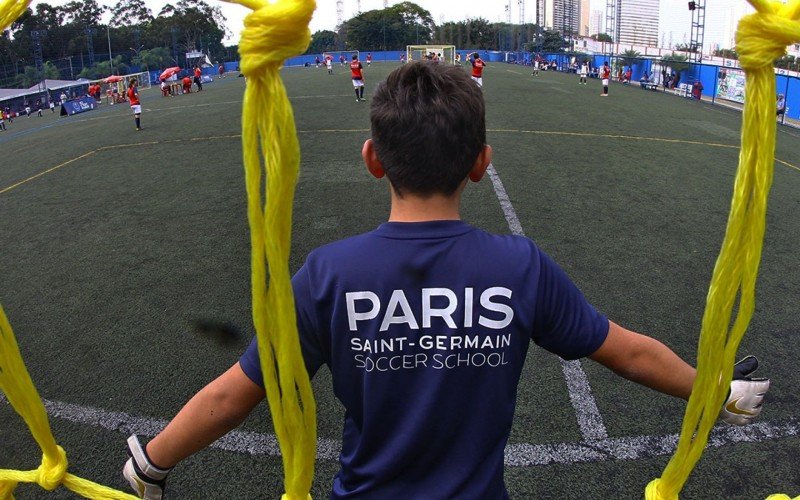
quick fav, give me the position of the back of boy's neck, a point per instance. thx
(411, 208)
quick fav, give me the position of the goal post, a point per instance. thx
(336, 54)
(142, 79)
(444, 53)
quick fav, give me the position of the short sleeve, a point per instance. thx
(306, 327)
(565, 323)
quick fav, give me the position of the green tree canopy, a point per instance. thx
(726, 53)
(630, 57)
(553, 41)
(388, 29)
(130, 13)
(103, 69)
(678, 62)
(323, 41)
(153, 59)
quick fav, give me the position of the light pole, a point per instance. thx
(110, 61)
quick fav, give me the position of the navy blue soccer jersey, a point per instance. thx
(425, 328)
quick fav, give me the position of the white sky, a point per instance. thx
(675, 19)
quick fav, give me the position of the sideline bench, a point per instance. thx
(649, 85)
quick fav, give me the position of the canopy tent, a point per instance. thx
(46, 86)
(60, 84)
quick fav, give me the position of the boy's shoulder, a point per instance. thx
(391, 238)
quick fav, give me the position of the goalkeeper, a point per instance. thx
(425, 347)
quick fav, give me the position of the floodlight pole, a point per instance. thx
(110, 61)
(698, 8)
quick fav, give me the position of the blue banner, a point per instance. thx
(79, 105)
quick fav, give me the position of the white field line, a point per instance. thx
(594, 447)
(516, 455)
(590, 421)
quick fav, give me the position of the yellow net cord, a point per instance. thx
(761, 38)
(16, 383)
(273, 32)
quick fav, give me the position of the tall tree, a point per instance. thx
(388, 29)
(323, 41)
(481, 34)
(553, 41)
(152, 59)
(130, 13)
(85, 13)
(630, 57)
(677, 62)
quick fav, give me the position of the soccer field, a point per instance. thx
(115, 242)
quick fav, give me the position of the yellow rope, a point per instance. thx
(761, 39)
(16, 383)
(273, 32)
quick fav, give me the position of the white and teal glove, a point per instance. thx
(745, 395)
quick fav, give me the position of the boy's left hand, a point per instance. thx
(745, 395)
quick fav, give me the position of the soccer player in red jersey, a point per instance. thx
(369, 58)
(358, 78)
(477, 69)
(605, 74)
(133, 98)
(197, 74)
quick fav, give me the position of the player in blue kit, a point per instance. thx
(425, 322)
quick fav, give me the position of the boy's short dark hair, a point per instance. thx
(428, 127)
(355, 56)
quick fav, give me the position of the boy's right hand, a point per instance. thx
(146, 479)
(745, 395)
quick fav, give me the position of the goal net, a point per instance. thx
(336, 56)
(441, 53)
(142, 79)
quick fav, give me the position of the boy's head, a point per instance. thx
(355, 56)
(428, 128)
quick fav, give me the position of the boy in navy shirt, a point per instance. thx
(425, 322)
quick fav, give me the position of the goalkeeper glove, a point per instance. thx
(745, 395)
(146, 479)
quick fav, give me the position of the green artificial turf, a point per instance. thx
(107, 259)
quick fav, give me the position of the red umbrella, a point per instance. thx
(169, 72)
(113, 79)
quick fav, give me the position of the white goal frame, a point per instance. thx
(416, 52)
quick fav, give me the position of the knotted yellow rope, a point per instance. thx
(760, 39)
(16, 383)
(273, 32)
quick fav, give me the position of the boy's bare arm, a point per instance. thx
(218, 408)
(646, 361)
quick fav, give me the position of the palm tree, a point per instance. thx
(630, 57)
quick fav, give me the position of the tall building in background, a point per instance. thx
(637, 22)
(597, 23)
(567, 16)
(585, 26)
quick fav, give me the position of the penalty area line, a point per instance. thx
(116, 146)
(516, 455)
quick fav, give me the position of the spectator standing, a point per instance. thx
(781, 105)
